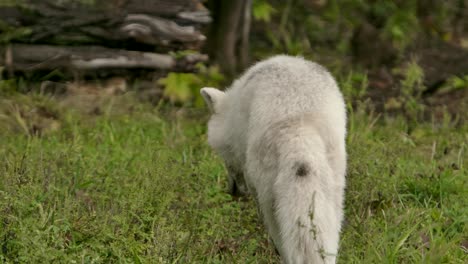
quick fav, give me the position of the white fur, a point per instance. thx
(281, 130)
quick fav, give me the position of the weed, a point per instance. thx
(412, 88)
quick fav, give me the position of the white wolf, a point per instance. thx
(281, 129)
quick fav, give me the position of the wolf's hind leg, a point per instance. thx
(236, 183)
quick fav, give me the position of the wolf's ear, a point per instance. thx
(213, 98)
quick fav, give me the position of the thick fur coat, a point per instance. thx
(280, 129)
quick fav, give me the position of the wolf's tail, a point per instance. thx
(308, 203)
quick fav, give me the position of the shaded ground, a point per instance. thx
(440, 64)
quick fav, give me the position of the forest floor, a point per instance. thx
(131, 182)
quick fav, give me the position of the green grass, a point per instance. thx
(144, 187)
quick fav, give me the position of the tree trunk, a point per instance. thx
(228, 41)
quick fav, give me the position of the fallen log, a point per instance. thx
(158, 31)
(116, 23)
(23, 57)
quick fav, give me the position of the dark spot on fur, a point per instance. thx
(302, 169)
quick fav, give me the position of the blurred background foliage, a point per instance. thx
(367, 44)
(302, 26)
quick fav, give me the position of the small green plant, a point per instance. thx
(354, 85)
(9, 33)
(400, 21)
(180, 87)
(262, 10)
(184, 87)
(411, 89)
(458, 82)
(7, 87)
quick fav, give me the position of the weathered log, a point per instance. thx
(174, 24)
(25, 57)
(154, 30)
(202, 17)
(166, 8)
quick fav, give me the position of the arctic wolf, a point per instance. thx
(280, 129)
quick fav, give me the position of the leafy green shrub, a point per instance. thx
(184, 88)
(262, 10)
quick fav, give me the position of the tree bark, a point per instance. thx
(229, 34)
(244, 48)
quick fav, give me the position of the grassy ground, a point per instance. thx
(144, 187)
